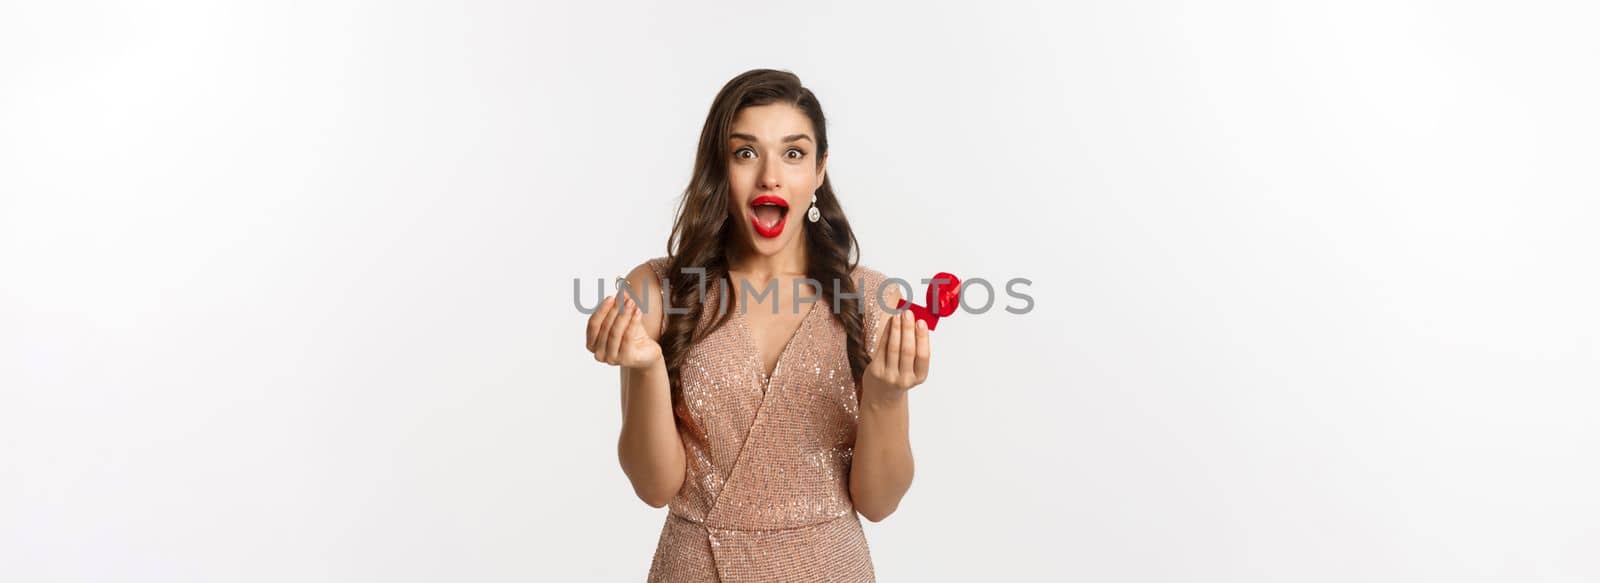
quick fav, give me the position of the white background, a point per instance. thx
(285, 290)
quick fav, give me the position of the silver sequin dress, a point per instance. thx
(766, 493)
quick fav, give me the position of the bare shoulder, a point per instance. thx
(874, 286)
(646, 282)
(879, 295)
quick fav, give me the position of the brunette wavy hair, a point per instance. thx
(703, 235)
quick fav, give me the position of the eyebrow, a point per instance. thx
(786, 139)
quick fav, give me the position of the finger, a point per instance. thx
(892, 351)
(592, 328)
(626, 335)
(636, 325)
(618, 327)
(924, 351)
(603, 337)
(608, 334)
(908, 344)
(597, 323)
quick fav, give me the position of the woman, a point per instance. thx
(766, 420)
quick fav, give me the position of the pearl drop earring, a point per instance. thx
(813, 215)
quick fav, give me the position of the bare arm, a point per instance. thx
(880, 473)
(882, 468)
(648, 448)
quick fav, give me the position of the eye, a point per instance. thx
(740, 153)
(798, 153)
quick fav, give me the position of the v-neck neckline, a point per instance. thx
(755, 349)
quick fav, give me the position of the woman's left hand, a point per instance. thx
(902, 359)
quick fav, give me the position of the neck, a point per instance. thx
(789, 261)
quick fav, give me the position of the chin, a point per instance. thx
(769, 245)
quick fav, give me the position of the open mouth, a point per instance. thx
(768, 213)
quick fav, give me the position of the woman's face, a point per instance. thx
(772, 171)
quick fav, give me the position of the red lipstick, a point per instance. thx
(770, 228)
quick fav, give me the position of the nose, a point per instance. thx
(769, 175)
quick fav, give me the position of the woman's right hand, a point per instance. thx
(616, 335)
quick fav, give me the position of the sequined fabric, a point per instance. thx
(766, 496)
